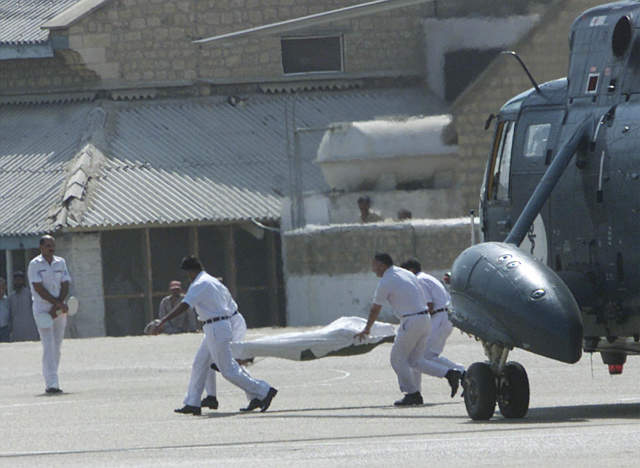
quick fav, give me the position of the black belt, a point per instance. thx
(216, 319)
(444, 309)
(417, 313)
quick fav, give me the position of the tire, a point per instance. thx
(479, 391)
(513, 392)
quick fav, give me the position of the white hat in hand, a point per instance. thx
(152, 327)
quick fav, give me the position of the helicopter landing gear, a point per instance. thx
(486, 383)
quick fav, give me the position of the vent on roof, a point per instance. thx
(325, 85)
(134, 94)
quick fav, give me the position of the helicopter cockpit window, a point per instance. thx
(536, 140)
(498, 184)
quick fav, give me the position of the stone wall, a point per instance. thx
(328, 268)
(83, 255)
(63, 71)
(545, 50)
(133, 43)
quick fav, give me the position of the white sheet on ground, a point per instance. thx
(337, 338)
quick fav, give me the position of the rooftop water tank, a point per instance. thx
(387, 154)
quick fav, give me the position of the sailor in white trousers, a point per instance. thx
(215, 307)
(438, 301)
(49, 283)
(403, 292)
(202, 376)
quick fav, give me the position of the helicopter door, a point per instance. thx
(534, 147)
(496, 195)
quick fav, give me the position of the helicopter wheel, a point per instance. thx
(513, 391)
(479, 391)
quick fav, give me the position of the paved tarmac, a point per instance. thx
(117, 410)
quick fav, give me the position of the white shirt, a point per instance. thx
(434, 290)
(209, 297)
(50, 275)
(401, 288)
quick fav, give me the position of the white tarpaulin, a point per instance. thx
(335, 339)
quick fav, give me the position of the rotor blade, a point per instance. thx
(353, 11)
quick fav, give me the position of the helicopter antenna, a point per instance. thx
(526, 70)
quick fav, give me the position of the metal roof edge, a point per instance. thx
(55, 98)
(74, 14)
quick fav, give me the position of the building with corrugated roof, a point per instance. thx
(134, 147)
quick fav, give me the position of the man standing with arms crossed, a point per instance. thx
(401, 289)
(215, 307)
(49, 282)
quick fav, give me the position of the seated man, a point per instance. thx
(185, 322)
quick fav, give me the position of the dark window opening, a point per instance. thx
(461, 67)
(312, 54)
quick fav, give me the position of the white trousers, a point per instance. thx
(215, 347)
(51, 339)
(441, 328)
(407, 352)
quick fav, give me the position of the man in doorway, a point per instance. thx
(5, 316)
(438, 301)
(187, 321)
(402, 290)
(367, 215)
(49, 281)
(215, 308)
(23, 326)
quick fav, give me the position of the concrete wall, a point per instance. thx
(328, 268)
(83, 256)
(342, 208)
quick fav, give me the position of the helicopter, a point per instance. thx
(556, 274)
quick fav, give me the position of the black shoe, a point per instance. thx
(410, 399)
(453, 376)
(53, 390)
(214, 367)
(210, 402)
(253, 404)
(463, 383)
(264, 404)
(188, 409)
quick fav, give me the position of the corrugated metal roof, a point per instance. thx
(178, 161)
(21, 20)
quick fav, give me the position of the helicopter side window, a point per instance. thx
(536, 140)
(498, 184)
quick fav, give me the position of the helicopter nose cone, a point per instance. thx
(501, 294)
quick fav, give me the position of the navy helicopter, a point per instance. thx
(559, 209)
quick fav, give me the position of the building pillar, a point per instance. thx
(9, 261)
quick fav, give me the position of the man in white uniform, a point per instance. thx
(49, 282)
(215, 307)
(402, 290)
(438, 300)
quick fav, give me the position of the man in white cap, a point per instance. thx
(216, 308)
(187, 321)
(49, 281)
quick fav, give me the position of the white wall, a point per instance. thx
(83, 255)
(342, 208)
(448, 35)
(320, 299)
